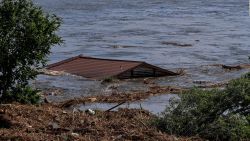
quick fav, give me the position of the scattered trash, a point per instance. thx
(90, 112)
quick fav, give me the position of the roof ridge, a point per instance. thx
(62, 62)
(87, 57)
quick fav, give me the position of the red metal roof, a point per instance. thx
(97, 68)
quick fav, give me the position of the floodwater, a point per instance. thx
(155, 104)
(218, 30)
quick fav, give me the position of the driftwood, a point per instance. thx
(238, 67)
(115, 106)
(176, 44)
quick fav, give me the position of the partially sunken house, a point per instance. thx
(97, 68)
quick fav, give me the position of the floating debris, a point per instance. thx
(238, 67)
(123, 97)
(51, 72)
(176, 44)
(90, 112)
(123, 46)
(231, 67)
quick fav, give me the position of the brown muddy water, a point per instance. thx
(169, 33)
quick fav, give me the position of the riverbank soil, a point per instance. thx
(47, 122)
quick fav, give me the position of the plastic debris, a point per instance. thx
(75, 134)
(90, 112)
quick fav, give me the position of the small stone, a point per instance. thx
(64, 112)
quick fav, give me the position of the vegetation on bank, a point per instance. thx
(212, 114)
(50, 123)
(26, 36)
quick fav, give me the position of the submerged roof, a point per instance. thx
(97, 68)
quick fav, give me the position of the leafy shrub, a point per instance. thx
(25, 95)
(211, 114)
(26, 35)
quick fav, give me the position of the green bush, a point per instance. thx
(27, 34)
(211, 114)
(25, 95)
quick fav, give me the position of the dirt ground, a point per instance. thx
(47, 122)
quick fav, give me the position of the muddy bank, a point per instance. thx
(47, 122)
